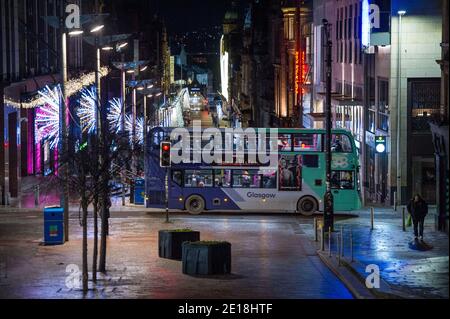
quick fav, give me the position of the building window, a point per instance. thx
(289, 28)
(383, 105)
(424, 102)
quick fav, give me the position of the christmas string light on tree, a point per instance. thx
(86, 111)
(47, 116)
(73, 86)
(115, 115)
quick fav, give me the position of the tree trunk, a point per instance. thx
(104, 221)
(85, 246)
(95, 249)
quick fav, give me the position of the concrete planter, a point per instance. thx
(170, 242)
(206, 258)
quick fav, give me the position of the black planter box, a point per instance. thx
(203, 258)
(170, 242)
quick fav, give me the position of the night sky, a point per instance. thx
(190, 15)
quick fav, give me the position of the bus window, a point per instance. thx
(246, 179)
(340, 143)
(222, 178)
(342, 180)
(285, 142)
(269, 179)
(198, 178)
(308, 142)
(177, 177)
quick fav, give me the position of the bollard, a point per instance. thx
(36, 196)
(123, 194)
(372, 212)
(403, 219)
(342, 241)
(322, 239)
(339, 241)
(315, 230)
(351, 244)
(329, 241)
(395, 201)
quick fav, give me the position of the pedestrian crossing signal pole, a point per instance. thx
(165, 162)
(328, 214)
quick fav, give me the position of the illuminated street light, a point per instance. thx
(401, 12)
(122, 45)
(76, 32)
(144, 68)
(130, 71)
(97, 28)
(108, 48)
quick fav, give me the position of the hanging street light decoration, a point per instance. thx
(47, 116)
(73, 86)
(86, 110)
(115, 115)
(139, 128)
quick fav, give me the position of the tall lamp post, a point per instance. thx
(398, 199)
(328, 213)
(63, 142)
(58, 22)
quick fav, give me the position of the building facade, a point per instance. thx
(28, 62)
(370, 67)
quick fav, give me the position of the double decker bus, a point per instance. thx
(296, 183)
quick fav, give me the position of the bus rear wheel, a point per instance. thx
(307, 206)
(195, 205)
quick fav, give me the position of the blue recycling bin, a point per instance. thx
(53, 226)
(139, 191)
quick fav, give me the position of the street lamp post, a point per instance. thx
(63, 141)
(398, 199)
(328, 214)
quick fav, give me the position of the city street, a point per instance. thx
(267, 149)
(271, 258)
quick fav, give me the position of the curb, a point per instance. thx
(349, 279)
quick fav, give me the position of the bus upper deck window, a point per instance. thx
(285, 142)
(340, 143)
(307, 142)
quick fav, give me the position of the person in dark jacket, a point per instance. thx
(418, 209)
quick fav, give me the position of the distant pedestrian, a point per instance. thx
(418, 209)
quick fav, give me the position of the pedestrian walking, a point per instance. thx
(418, 209)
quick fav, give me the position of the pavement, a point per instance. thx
(271, 258)
(405, 270)
(270, 253)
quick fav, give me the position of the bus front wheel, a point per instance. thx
(195, 205)
(307, 206)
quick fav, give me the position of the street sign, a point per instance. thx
(380, 144)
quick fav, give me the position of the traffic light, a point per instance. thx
(165, 154)
(380, 144)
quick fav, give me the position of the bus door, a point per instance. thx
(343, 187)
